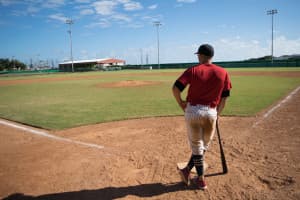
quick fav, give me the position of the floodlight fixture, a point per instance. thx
(70, 22)
(272, 13)
(157, 24)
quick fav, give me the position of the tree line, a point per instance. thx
(11, 64)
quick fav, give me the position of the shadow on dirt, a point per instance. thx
(143, 190)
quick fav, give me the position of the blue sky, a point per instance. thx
(238, 29)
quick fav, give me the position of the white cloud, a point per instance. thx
(32, 10)
(240, 49)
(87, 12)
(82, 1)
(152, 19)
(105, 7)
(186, 1)
(255, 41)
(284, 46)
(152, 7)
(180, 3)
(134, 25)
(112, 11)
(132, 5)
(121, 17)
(108, 7)
(123, 1)
(103, 23)
(59, 17)
(8, 2)
(228, 49)
(30, 7)
(53, 3)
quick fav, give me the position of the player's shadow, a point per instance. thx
(143, 190)
(109, 193)
(216, 174)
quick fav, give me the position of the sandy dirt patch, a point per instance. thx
(128, 83)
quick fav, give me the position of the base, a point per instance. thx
(182, 165)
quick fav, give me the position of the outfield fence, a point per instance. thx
(235, 64)
(29, 72)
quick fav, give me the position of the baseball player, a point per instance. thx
(209, 86)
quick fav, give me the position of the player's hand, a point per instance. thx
(183, 105)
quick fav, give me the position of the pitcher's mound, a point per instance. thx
(129, 83)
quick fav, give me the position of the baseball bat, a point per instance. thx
(224, 164)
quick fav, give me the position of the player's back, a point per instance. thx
(206, 85)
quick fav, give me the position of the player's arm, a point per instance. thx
(178, 87)
(225, 94)
(222, 103)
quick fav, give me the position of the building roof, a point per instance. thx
(100, 61)
(111, 60)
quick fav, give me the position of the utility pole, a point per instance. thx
(157, 24)
(31, 65)
(272, 13)
(147, 59)
(52, 64)
(70, 22)
(141, 51)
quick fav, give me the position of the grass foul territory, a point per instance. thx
(67, 100)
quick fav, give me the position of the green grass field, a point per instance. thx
(64, 104)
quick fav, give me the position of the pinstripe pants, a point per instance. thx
(201, 125)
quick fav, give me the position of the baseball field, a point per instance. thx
(119, 135)
(69, 100)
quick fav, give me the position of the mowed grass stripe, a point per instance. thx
(65, 104)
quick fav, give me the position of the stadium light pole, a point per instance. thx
(272, 13)
(157, 24)
(70, 22)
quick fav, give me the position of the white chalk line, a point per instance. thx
(44, 134)
(267, 114)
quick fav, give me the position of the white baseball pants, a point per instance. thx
(201, 124)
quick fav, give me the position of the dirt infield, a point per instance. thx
(139, 160)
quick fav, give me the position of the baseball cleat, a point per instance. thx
(200, 184)
(184, 174)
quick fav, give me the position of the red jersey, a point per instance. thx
(207, 83)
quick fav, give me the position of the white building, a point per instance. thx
(86, 65)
